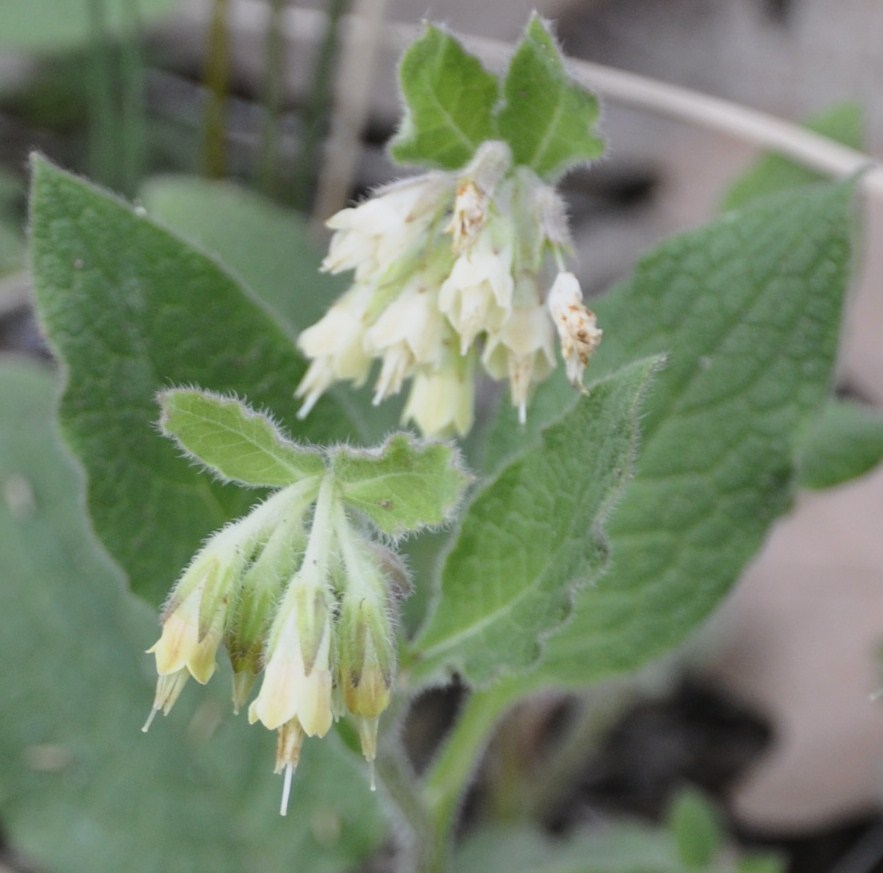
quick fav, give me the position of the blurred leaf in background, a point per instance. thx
(60, 25)
(81, 789)
(689, 842)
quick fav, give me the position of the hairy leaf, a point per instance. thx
(132, 310)
(449, 101)
(548, 120)
(83, 790)
(403, 486)
(231, 439)
(533, 535)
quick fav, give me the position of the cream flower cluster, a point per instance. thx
(307, 605)
(451, 270)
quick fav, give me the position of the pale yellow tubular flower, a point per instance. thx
(441, 400)
(576, 325)
(477, 295)
(335, 344)
(373, 235)
(297, 676)
(292, 687)
(179, 640)
(522, 351)
(410, 332)
(201, 662)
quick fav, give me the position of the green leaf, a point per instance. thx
(235, 442)
(748, 310)
(844, 443)
(82, 789)
(404, 485)
(532, 536)
(130, 310)
(696, 829)
(773, 173)
(621, 846)
(547, 119)
(271, 251)
(449, 102)
(47, 25)
(268, 248)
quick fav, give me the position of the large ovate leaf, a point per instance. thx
(548, 120)
(49, 25)
(269, 248)
(532, 536)
(234, 441)
(449, 101)
(273, 253)
(845, 442)
(131, 310)
(403, 486)
(82, 790)
(748, 311)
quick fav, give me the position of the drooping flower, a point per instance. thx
(447, 266)
(302, 603)
(576, 325)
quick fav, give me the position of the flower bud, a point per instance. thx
(367, 655)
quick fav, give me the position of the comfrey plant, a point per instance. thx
(602, 523)
(451, 267)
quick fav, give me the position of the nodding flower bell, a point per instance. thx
(302, 601)
(451, 269)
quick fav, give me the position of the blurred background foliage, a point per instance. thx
(215, 116)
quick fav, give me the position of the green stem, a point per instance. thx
(400, 784)
(217, 74)
(102, 151)
(132, 126)
(452, 771)
(317, 109)
(274, 76)
(598, 711)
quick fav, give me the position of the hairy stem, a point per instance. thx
(452, 771)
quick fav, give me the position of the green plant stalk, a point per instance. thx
(597, 712)
(274, 75)
(400, 786)
(101, 148)
(132, 123)
(217, 74)
(317, 108)
(451, 772)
